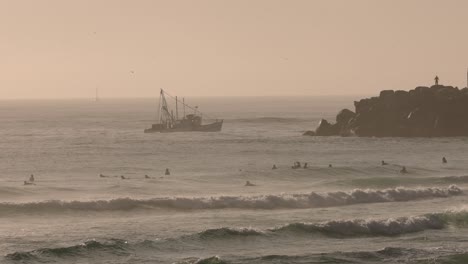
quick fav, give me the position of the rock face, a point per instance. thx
(436, 111)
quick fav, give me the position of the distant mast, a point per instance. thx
(176, 108)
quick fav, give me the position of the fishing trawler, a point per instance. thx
(168, 122)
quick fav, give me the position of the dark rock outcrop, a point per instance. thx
(326, 129)
(309, 133)
(436, 111)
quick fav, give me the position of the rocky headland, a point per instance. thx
(436, 111)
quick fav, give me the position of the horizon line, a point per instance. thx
(157, 96)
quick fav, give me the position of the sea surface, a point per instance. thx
(80, 210)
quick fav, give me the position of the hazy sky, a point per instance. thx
(65, 48)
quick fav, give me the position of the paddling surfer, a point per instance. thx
(403, 170)
(248, 183)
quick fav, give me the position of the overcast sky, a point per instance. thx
(131, 48)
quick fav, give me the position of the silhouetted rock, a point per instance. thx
(342, 120)
(436, 111)
(344, 116)
(309, 133)
(326, 129)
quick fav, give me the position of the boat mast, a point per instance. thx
(176, 108)
(183, 102)
(166, 116)
(160, 105)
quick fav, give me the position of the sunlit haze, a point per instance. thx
(67, 49)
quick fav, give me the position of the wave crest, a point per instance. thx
(350, 228)
(282, 201)
(359, 227)
(228, 232)
(209, 260)
(116, 246)
(333, 229)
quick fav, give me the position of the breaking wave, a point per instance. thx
(332, 229)
(385, 255)
(351, 228)
(228, 232)
(367, 227)
(282, 201)
(115, 247)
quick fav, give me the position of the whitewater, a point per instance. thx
(80, 210)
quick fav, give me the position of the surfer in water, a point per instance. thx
(274, 167)
(123, 177)
(296, 165)
(167, 172)
(248, 183)
(403, 170)
(330, 166)
(305, 165)
(384, 163)
(31, 178)
(147, 177)
(444, 160)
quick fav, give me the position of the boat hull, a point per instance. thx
(213, 127)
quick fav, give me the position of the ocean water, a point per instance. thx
(357, 211)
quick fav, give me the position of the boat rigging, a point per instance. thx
(168, 122)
